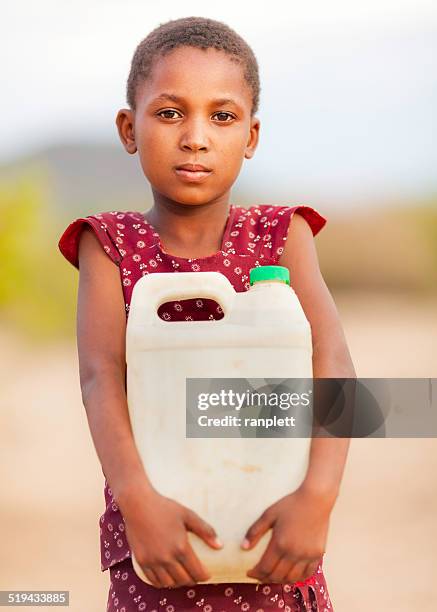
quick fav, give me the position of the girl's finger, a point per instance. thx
(164, 577)
(257, 530)
(193, 566)
(310, 569)
(280, 571)
(201, 528)
(296, 572)
(266, 564)
(151, 576)
(179, 574)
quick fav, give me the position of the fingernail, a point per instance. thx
(218, 542)
(245, 543)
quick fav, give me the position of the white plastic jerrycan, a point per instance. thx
(229, 482)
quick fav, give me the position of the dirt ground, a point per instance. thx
(381, 553)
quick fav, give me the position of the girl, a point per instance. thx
(193, 93)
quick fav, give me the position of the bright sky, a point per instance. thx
(349, 89)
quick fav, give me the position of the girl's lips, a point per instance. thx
(190, 176)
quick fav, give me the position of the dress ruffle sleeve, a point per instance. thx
(69, 241)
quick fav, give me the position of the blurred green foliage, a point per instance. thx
(426, 217)
(37, 288)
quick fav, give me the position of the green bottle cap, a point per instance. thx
(266, 273)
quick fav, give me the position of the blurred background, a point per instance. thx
(348, 126)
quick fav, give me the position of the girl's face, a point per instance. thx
(194, 109)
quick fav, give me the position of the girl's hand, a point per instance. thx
(300, 525)
(156, 529)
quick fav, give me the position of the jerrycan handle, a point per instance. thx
(155, 289)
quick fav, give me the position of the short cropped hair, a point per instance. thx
(198, 32)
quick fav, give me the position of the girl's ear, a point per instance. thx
(125, 126)
(253, 138)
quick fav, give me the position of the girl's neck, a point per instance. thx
(193, 230)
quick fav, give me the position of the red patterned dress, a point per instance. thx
(253, 236)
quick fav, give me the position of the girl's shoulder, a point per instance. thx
(269, 215)
(117, 231)
(264, 227)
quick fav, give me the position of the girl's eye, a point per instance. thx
(167, 111)
(222, 113)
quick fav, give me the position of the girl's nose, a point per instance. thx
(195, 137)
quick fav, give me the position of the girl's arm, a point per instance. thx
(101, 329)
(156, 526)
(331, 357)
(300, 520)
